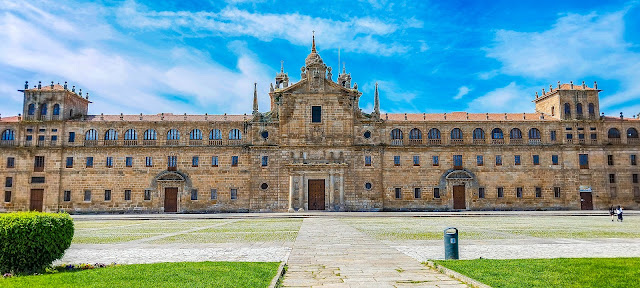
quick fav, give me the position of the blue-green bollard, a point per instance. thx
(451, 243)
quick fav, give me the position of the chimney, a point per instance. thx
(571, 85)
(65, 85)
(583, 85)
(595, 85)
(39, 85)
(558, 84)
(26, 85)
(51, 85)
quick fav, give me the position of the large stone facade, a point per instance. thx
(315, 149)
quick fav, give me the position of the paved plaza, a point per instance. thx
(351, 249)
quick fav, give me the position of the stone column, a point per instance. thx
(331, 190)
(301, 193)
(342, 189)
(291, 191)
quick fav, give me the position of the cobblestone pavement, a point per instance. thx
(329, 253)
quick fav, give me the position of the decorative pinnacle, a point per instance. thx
(376, 101)
(313, 41)
(255, 98)
(281, 66)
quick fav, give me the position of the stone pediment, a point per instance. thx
(459, 175)
(324, 86)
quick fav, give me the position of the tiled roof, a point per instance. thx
(167, 117)
(9, 119)
(45, 87)
(464, 116)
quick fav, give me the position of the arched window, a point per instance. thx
(567, 110)
(478, 133)
(195, 134)
(396, 134)
(434, 133)
(632, 133)
(8, 134)
(534, 133)
(579, 109)
(150, 134)
(91, 135)
(497, 134)
(592, 109)
(131, 135)
(415, 134)
(613, 133)
(235, 134)
(56, 109)
(111, 135)
(32, 109)
(514, 134)
(43, 109)
(215, 134)
(456, 133)
(173, 134)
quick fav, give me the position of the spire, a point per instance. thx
(376, 101)
(313, 45)
(255, 98)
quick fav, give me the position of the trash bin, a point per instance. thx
(451, 243)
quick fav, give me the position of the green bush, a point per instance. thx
(31, 241)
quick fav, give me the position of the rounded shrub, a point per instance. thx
(31, 241)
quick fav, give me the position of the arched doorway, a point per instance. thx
(458, 181)
(170, 185)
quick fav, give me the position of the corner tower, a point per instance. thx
(569, 101)
(53, 102)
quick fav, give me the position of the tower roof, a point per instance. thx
(313, 58)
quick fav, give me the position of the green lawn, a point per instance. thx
(561, 272)
(181, 274)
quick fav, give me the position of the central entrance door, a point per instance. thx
(316, 194)
(586, 202)
(458, 197)
(35, 203)
(171, 199)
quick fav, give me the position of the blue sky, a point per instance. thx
(201, 57)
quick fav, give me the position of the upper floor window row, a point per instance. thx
(457, 134)
(151, 134)
(31, 109)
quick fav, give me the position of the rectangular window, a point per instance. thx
(610, 160)
(538, 192)
(195, 161)
(172, 163)
(416, 160)
(633, 160)
(584, 161)
(479, 160)
(234, 194)
(316, 114)
(67, 196)
(612, 178)
(7, 196)
(457, 161)
(265, 161)
(37, 180)
(129, 161)
(634, 178)
(519, 192)
(436, 160)
(54, 138)
(396, 160)
(147, 194)
(148, 161)
(498, 160)
(554, 159)
(11, 162)
(398, 191)
(194, 194)
(89, 162)
(29, 138)
(234, 161)
(553, 135)
(516, 160)
(581, 136)
(500, 192)
(38, 165)
(613, 192)
(594, 136)
(87, 196)
(72, 137)
(569, 136)
(109, 162)
(367, 160)
(417, 193)
(214, 161)
(107, 195)
(481, 192)
(536, 159)
(436, 192)
(214, 194)
(69, 162)
(556, 192)
(8, 182)
(127, 195)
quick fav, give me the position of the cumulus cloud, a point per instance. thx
(505, 99)
(463, 90)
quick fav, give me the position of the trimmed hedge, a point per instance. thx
(31, 241)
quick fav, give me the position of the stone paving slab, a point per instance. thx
(329, 253)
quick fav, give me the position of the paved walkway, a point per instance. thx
(329, 253)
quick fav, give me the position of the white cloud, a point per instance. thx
(463, 90)
(506, 99)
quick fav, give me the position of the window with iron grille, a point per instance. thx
(519, 192)
(214, 161)
(11, 162)
(8, 182)
(552, 135)
(417, 193)
(633, 160)
(234, 194)
(538, 192)
(500, 192)
(172, 163)
(38, 165)
(109, 162)
(436, 192)
(398, 192)
(214, 194)
(481, 192)
(556, 192)
(87, 196)
(67, 196)
(127, 195)
(610, 160)
(107, 195)
(612, 178)
(147, 194)
(148, 161)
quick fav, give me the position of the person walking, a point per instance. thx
(619, 212)
(612, 212)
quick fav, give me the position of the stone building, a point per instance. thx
(316, 150)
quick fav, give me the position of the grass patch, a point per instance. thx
(560, 272)
(181, 274)
(253, 230)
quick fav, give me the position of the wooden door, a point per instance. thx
(316, 194)
(586, 202)
(458, 197)
(35, 203)
(170, 199)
